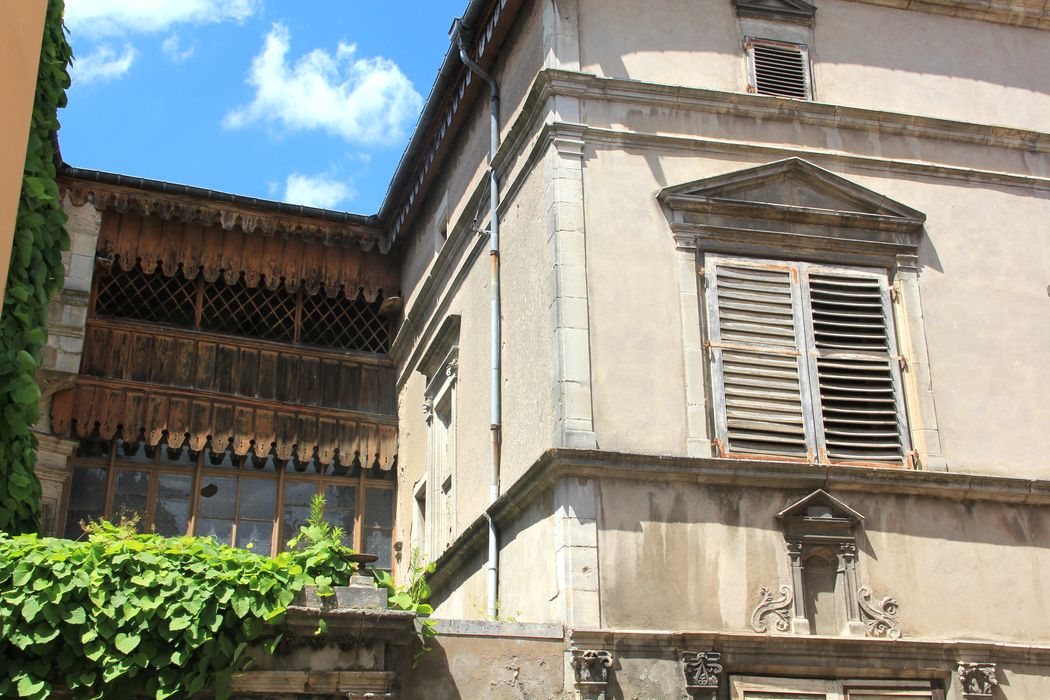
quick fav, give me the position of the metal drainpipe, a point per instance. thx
(456, 34)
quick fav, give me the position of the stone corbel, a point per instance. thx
(880, 615)
(703, 672)
(779, 607)
(977, 679)
(591, 667)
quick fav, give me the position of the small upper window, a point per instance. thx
(778, 68)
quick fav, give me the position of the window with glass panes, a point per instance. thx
(252, 501)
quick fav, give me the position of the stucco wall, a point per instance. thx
(463, 596)
(700, 554)
(525, 338)
(527, 571)
(502, 666)
(862, 56)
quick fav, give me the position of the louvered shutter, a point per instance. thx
(755, 334)
(779, 69)
(856, 390)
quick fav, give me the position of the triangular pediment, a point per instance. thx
(820, 506)
(792, 185)
(793, 10)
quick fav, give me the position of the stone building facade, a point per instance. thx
(774, 303)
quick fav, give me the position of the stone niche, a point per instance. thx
(824, 595)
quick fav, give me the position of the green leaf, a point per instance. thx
(31, 608)
(127, 642)
(74, 616)
(30, 688)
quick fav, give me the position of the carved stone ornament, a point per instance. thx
(702, 672)
(977, 679)
(880, 616)
(452, 367)
(428, 407)
(592, 668)
(777, 606)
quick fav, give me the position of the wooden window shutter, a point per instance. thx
(755, 340)
(856, 385)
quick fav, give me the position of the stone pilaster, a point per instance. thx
(576, 552)
(51, 469)
(569, 319)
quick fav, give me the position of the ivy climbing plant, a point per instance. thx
(35, 274)
(123, 614)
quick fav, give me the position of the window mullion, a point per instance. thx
(195, 495)
(276, 545)
(359, 515)
(297, 333)
(811, 404)
(199, 310)
(111, 480)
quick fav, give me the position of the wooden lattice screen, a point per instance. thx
(349, 323)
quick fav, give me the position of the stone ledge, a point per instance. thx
(561, 463)
(491, 628)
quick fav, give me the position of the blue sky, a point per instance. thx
(305, 101)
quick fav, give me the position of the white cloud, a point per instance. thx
(117, 17)
(323, 190)
(363, 100)
(172, 48)
(102, 64)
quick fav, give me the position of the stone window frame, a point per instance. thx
(787, 22)
(752, 71)
(715, 215)
(813, 408)
(807, 688)
(440, 366)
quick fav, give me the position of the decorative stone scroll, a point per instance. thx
(880, 616)
(591, 667)
(779, 607)
(977, 679)
(703, 671)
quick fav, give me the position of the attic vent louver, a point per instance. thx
(779, 69)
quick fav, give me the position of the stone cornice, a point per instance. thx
(558, 464)
(1034, 14)
(746, 652)
(588, 86)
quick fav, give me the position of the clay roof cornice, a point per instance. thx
(187, 204)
